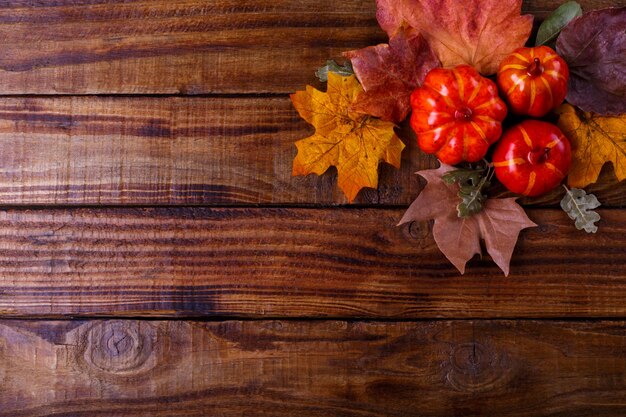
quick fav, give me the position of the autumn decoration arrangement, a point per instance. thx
(533, 118)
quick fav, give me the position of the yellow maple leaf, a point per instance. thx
(595, 140)
(353, 142)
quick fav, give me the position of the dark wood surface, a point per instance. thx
(147, 205)
(175, 47)
(299, 368)
(184, 46)
(262, 262)
(186, 151)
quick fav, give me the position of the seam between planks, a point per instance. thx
(346, 319)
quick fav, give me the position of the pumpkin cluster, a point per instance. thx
(483, 104)
(457, 114)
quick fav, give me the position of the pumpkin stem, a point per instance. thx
(463, 114)
(535, 69)
(538, 156)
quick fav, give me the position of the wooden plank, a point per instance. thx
(542, 8)
(295, 263)
(180, 47)
(170, 151)
(336, 368)
(184, 46)
(129, 150)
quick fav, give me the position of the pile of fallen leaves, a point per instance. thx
(368, 95)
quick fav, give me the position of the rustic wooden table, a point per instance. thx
(158, 259)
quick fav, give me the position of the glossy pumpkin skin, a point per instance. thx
(532, 158)
(533, 80)
(457, 114)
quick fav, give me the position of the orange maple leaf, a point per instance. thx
(475, 32)
(353, 142)
(595, 140)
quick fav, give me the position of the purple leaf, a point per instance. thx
(594, 47)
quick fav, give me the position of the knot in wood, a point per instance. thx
(476, 367)
(121, 347)
(419, 230)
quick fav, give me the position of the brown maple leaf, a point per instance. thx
(458, 238)
(353, 142)
(390, 73)
(475, 32)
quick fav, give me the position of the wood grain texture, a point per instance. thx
(295, 263)
(189, 151)
(129, 150)
(180, 47)
(313, 369)
(184, 46)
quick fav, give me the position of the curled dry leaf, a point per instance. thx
(595, 141)
(458, 238)
(579, 207)
(594, 47)
(355, 143)
(331, 66)
(390, 73)
(475, 32)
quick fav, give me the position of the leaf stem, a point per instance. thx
(571, 196)
(480, 186)
(490, 172)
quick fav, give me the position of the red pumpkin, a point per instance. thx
(532, 158)
(533, 80)
(457, 114)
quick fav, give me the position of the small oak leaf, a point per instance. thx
(579, 207)
(458, 238)
(595, 141)
(353, 142)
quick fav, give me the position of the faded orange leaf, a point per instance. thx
(353, 142)
(595, 141)
(475, 32)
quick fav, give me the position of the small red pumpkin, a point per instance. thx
(533, 80)
(457, 114)
(532, 158)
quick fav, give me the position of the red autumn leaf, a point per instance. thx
(389, 73)
(594, 47)
(499, 222)
(475, 32)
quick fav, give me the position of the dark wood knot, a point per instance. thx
(419, 230)
(119, 347)
(476, 366)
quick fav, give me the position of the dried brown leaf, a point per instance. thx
(458, 238)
